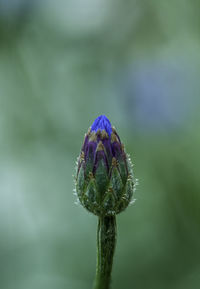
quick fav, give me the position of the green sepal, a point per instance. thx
(121, 206)
(129, 190)
(126, 197)
(86, 203)
(101, 177)
(122, 165)
(109, 204)
(116, 183)
(80, 183)
(89, 163)
(129, 165)
(92, 193)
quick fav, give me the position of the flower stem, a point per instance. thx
(106, 241)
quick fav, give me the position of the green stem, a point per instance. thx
(106, 240)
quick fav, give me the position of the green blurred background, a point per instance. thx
(63, 63)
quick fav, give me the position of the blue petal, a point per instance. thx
(102, 123)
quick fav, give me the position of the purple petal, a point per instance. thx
(102, 123)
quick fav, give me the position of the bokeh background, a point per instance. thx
(63, 63)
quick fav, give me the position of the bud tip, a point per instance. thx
(102, 123)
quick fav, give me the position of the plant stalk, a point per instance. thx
(106, 241)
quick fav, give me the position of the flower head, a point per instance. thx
(104, 179)
(102, 123)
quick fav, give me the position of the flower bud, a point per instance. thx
(104, 178)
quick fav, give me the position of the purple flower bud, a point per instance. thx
(104, 180)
